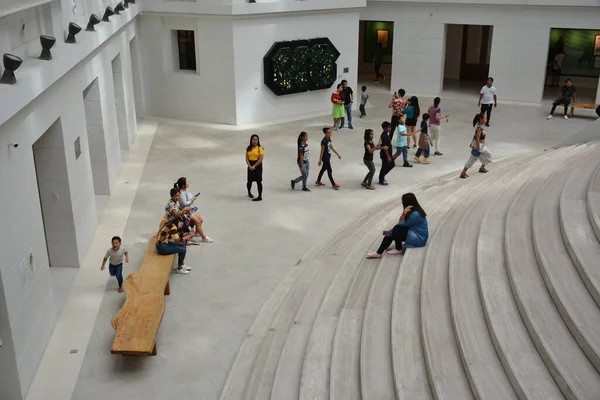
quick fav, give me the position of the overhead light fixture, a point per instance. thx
(130, 1)
(126, 4)
(74, 29)
(11, 64)
(108, 13)
(47, 42)
(94, 20)
(119, 8)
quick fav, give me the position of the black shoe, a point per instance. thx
(257, 199)
(350, 127)
(293, 184)
(250, 195)
(407, 165)
(305, 189)
(488, 125)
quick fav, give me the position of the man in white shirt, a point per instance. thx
(487, 99)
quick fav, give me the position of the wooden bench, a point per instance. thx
(138, 320)
(589, 106)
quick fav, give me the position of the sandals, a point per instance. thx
(483, 170)
(464, 176)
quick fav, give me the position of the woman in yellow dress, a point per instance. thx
(254, 161)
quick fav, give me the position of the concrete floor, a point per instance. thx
(256, 244)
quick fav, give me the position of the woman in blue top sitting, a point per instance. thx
(411, 229)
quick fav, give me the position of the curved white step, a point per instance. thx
(410, 372)
(575, 304)
(593, 201)
(576, 226)
(444, 366)
(261, 380)
(569, 366)
(236, 384)
(484, 370)
(287, 381)
(523, 365)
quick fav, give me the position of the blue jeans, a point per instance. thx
(348, 108)
(172, 248)
(304, 176)
(362, 109)
(424, 151)
(402, 150)
(116, 271)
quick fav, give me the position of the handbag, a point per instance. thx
(475, 152)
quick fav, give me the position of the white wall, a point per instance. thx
(29, 315)
(253, 37)
(205, 95)
(519, 42)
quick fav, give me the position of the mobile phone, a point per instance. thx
(387, 233)
(197, 194)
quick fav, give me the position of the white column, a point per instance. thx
(518, 62)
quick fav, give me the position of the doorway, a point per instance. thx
(55, 197)
(467, 56)
(373, 34)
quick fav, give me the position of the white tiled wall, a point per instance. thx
(519, 42)
(27, 309)
(253, 37)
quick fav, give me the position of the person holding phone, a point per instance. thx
(187, 200)
(412, 229)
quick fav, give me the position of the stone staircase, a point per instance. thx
(503, 303)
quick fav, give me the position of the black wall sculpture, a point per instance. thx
(300, 65)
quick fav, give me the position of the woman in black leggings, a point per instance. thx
(254, 161)
(325, 159)
(411, 231)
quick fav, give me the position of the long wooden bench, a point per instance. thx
(138, 320)
(589, 106)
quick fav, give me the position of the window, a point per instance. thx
(186, 44)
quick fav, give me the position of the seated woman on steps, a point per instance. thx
(411, 229)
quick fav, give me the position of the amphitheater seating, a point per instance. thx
(503, 303)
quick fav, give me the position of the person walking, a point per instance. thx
(398, 105)
(435, 129)
(338, 106)
(487, 99)
(364, 97)
(385, 143)
(348, 97)
(370, 148)
(402, 143)
(566, 96)
(377, 61)
(424, 141)
(325, 159)
(302, 160)
(412, 112)
(114, 256)
(557, 64)
(254, 161)
(479, 150)
(411, 231)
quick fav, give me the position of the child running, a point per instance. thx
(115, 264)
(364, 96)
(424, 141)
(302, 161)
(325, 158)
(368, 159)
(402, 141)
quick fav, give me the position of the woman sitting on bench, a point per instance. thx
(171, 240)
(186, 199)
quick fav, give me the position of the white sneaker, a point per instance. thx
(565, 117)
(187, 268)
(207, 240)
(549, 117)
(182, 271)
(193, 241)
